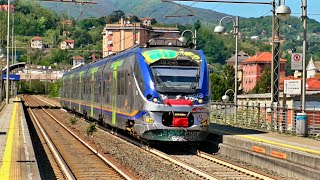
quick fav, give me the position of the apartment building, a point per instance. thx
(123, 35)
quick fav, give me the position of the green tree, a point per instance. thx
(115, 16)
(264, 83)
(54, 89)
(216, 86)
(221, 81)
(197, 25)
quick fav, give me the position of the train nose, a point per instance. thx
(177, 119)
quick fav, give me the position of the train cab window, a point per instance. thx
(176, 76)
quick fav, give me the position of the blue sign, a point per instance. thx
(12, 77)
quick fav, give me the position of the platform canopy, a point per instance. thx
(13, 66)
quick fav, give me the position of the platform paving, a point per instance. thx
(17, 158)
(292, 156)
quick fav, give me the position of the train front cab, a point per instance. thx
(176, 95)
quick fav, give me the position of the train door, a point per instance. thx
(130, 83)
(81, 89)
(115, 66)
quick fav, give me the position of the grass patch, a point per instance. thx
(92, 128)
(73, 120)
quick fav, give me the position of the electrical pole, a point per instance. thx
(304, 19)
(8, 55)
(275, 65)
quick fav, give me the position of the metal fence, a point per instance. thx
(263, 117)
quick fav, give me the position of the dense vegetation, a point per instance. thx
(30, 19)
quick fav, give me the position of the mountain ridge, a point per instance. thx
(141, 8)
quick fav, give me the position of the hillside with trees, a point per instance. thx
(31, 19)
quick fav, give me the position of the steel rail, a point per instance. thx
(181, 164)
(45, 101)
(232, 166)
(161, 155)
(115, 167)
(64, 167)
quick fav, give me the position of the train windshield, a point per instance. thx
(181, 77)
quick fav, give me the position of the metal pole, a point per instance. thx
(236, 32)
(304, 18)
(12, 39)
(195, 39)
(15, 52)
(8, 55)
(275, 63)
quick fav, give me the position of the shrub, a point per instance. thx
(73, 120)
(91, 129)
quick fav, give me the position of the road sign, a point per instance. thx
(292, 87)
(296, 61)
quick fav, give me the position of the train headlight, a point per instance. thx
(200, 101)
(155, 100)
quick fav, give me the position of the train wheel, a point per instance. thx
(100, 120)
(85, 116)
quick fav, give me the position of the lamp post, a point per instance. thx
(281, 13)
(225, 97)
(221, 29)
(194, 37)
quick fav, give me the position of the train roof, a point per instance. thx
(170, 43)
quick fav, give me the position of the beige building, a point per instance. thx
(67, 44)
(36, 42)
(121, 36)
(77, 60)
(146, 21)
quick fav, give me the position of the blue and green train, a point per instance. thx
(157, 93)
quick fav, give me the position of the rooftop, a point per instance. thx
(37, 38)
(77, 58)
(262, 57)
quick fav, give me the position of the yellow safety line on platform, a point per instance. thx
(271, 142)
(280, 144)
(6, 160)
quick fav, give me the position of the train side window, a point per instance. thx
(125, 79)
(122, 80)
(120, 83)
(138, 75)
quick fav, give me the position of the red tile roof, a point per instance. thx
(77, 58)
(146, 18)
(4, 7)
(37, 38)
(261, 57)
(312, 84)
(69, 41)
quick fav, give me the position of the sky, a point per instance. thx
(254, 10)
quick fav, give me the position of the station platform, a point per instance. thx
(16, 151)
(292, 156)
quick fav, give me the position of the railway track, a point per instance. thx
(219, 168)
(76, 158)
(203, 165)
